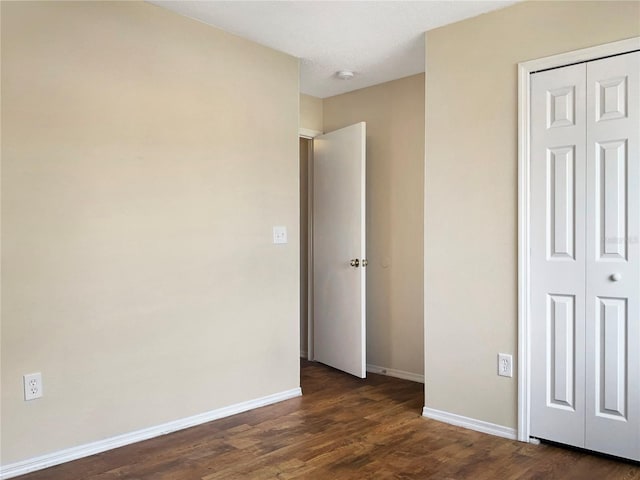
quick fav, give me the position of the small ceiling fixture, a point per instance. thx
(345, 74)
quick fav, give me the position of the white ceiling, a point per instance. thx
(378, 40)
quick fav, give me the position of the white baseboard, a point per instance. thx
(470, 423)
(392, 372)
(74, 453)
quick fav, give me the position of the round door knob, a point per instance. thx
(354, 262)
(615, 277)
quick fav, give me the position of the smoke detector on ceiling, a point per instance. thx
(345, 74)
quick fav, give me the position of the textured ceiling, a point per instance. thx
(379, 41)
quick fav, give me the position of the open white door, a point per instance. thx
(339, 258)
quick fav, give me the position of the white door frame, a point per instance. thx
(524, 206)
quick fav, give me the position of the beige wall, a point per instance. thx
(310, 113)
(145, 159)
(394, 113)
(471, 190)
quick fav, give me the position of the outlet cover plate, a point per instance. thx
(505, 365)
(279, 234)
(32, 386)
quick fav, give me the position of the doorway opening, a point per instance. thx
(333, 249)
(306, 184)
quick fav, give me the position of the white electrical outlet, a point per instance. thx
(505, 365)
(280, 234)
(32, 386)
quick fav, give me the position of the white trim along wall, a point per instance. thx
(393, 372)
(308, 133)
(470, 423)
(81, 451)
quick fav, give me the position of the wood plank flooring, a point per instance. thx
(342, 428)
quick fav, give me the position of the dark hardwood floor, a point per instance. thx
(342, 428)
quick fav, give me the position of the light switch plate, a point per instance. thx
(280, 234)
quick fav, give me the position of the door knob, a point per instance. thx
(615, 277)
(354, 262)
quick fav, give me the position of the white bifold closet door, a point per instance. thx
(585, 255)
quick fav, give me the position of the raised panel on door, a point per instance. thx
(610, 358)
(557, 254)
(613, 256)
(561, 331)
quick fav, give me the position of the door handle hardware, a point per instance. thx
(615, 277)
(365, 262)
(354, 262)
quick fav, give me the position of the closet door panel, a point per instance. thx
(558, 254)
(613, 256)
